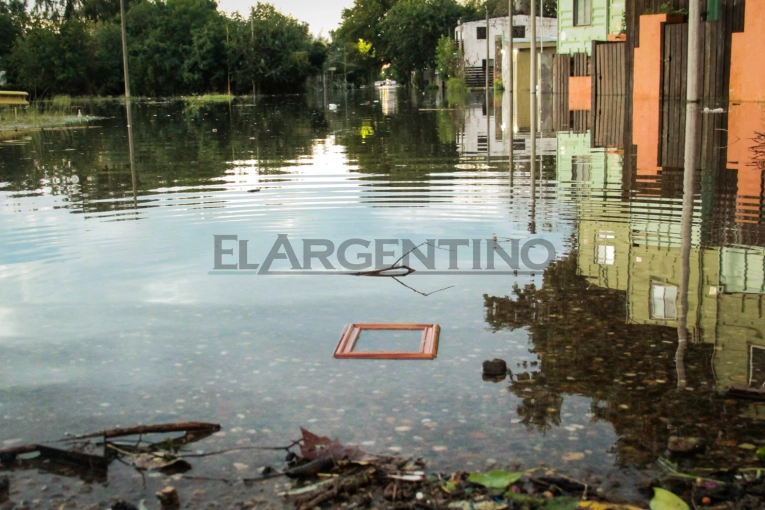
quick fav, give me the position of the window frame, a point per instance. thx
(578, 6)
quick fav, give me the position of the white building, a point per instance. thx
(472, 37)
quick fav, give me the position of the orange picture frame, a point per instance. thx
(428, 345)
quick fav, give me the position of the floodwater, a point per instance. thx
(112, 312)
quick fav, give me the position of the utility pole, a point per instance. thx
(252, 44)
(511, 75)
(133, 176)
(125, 51)
(533, 88)
(692, 123)
(228, 71)
(486, 73)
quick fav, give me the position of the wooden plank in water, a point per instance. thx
(13, 98)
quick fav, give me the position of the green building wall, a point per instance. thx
(606, 19)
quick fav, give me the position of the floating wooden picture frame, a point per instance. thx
(428, 344)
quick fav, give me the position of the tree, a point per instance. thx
(412, 28)
(175, 47)
(476, 9)
(363, 21)
(50, 61)
(271, 51)
(449, 59)
(13, 17)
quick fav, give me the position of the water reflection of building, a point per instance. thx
(388, 100)
(488, 132)
(634, 246)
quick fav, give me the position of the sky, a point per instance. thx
(321, 15)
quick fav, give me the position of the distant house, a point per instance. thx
(471, 37)
(582, 21)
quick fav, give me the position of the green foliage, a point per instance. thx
(412, 29)
(363, 21)
(498, 85)
(476, 9)
(666, 8)
(665, 500)
(449, 59)
(47, 61)
(271, 51)
(456, 91)
(497, 479)
(175, 47)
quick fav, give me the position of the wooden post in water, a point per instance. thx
(510, 87)
(125, 51)
(692, 132)
(127, 103)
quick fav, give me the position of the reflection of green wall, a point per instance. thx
(661, 265)
(740, 326)
(604, 180)
(730, 321)
(719, 311)
(606, 19)
(597, 233)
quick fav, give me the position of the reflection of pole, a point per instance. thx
(488, 130)
(127, 102)
(132, 153)
(533, 162)
(692, 122)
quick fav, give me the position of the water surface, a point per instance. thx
(111, 313)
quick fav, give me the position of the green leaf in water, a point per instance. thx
(665, 500)
(497, 479)
(761, 453)
(561, 503)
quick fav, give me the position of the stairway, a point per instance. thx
(475, 77)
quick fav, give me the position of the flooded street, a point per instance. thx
(112, 313)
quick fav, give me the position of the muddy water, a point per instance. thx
(112, 311)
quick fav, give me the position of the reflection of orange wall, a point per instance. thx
(744, 122)
(645, 92)
(747, 58)
(580, 93)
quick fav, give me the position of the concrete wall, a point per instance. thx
(474, 49)
(747, 60)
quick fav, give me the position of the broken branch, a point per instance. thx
(191, 426)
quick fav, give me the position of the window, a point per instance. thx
(580, 168)
(756, 366)
(519, 32)
(605, 255)
(663, 298)
(480, 32)
(582, 13)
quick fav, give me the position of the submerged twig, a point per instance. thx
(426, 294)
(239, 448)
